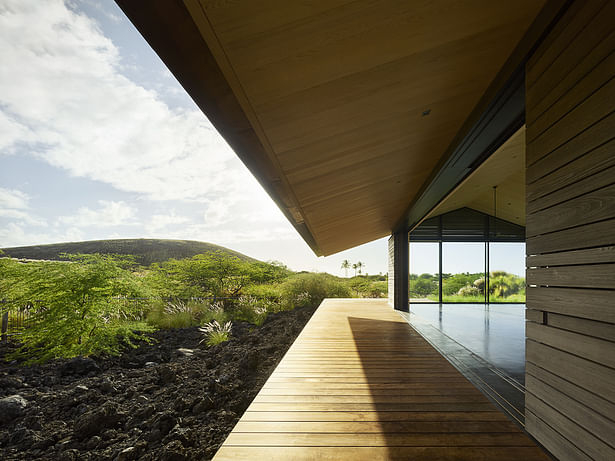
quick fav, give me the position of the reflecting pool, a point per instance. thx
(495, 332)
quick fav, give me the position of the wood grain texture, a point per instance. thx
(570, 177)
(560, 447)
(571, 430)
(582, 276)
(591, 235)
(597, 106)
(556, 83)
(504, 169)
(598, 205)
(601, 329)
(359, 382)
(602, 427)
(565, 174)
(565, 32)
(594, 349)
(605, 254)
(378, 453)
(584, 373)
(583, 143)
(583, 186)
(595, 79)
(335, 93)
(589, 399)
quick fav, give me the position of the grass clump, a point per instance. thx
(183, 314)
(215, 333)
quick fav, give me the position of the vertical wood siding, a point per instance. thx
(570, 198)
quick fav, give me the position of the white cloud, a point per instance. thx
(63, 93)
(109, 214)
(11, 133)
(15, 234)
(14, 199)
(162, 221)
(14, 204)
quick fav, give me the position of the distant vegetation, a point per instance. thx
(469, 287)
(87, 304)
(144, 251)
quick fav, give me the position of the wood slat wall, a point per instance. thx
(570, 202)
(398, 271)
(391, 277)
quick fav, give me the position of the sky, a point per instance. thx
(98, 141)
(467, 257)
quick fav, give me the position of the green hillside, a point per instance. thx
(146, 251)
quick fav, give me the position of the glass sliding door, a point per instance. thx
(423, 283)
(507, 272)
(463, 272)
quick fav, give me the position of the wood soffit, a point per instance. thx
(333, 93)
(504, 169)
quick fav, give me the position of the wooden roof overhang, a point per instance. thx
(345, 111)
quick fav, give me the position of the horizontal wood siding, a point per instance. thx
(570, 203)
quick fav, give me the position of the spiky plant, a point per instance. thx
(214, 333)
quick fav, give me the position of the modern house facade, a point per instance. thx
(364, 119)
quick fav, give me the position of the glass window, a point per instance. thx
(507, 272)
(463, 272)
(424, 270)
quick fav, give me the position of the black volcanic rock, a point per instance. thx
(181, 407)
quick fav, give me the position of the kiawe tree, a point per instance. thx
(215, 274)
(76, 306)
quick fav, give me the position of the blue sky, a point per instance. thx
(467, 257)
(98, 140)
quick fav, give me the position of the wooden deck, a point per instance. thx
(359, 383)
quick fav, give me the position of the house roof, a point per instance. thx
(343, 110)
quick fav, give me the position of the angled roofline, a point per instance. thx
(188, 56)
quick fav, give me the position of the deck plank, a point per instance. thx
(359, 383)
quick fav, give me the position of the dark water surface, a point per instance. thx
(495, 332)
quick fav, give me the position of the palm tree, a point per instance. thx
(354, 266)
(346, 266)
(360, 265)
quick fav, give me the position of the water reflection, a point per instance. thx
(495, 332)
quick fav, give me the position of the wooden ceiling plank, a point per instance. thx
(504, 169)
(360, 36)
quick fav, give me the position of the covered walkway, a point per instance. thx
(359, 383)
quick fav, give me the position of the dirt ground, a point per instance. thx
(171, 400)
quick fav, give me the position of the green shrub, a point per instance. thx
(469, 290)
(164, 321)
(310, 289)
(273, 292)
(79, 311)
(219, 315)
